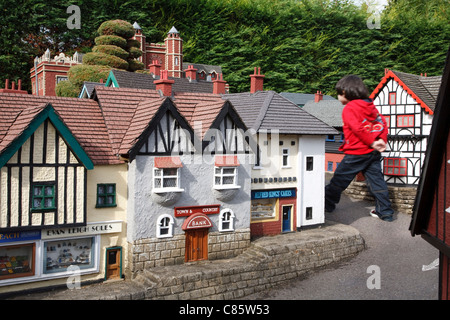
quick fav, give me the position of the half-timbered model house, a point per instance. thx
(431, 214)
(188, 173)
(407, 103)
(62, 193)
(288, 175)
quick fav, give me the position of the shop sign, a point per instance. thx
(89, 229)
(196, 221)
(187, 211)
(20, 236)
(267, 194)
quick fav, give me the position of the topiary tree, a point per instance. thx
(114, 49)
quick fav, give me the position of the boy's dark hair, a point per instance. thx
(352, 87)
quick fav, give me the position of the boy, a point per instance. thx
(365, 135)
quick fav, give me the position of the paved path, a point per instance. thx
(389, 245)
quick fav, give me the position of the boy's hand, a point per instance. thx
(379, 145)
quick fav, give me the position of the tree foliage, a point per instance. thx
(300, 45)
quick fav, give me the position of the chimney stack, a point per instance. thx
(155, 68)
(318, 96)
(191, 73)
(219, 85)
(13, 87)
(164, 84)
(256, 81)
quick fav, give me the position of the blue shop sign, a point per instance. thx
(20, 236)
(268, 194)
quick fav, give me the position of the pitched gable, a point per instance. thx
(422, 89)
(91, 132)
(26, 123)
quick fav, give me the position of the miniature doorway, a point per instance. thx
(196, 245)
(287, 214)
(113, 263)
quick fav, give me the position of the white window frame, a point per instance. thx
(230, 221)
(169, 227)
(162, 177)
(222, 175)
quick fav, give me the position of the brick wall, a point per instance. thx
(154, 252)
(402, 198)
(268, 262)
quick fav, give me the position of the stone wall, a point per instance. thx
(155, 252)
(402, 198)
(268, 262)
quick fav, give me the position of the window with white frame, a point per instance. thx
(225, 176)
(164, 226)
(166, 178)
(226, 220)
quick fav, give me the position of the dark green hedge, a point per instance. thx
(98, 58)
(119, 28)
(112, 50)
(111, 40)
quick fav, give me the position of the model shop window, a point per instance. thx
(61, 254)
(17, 261)
(226, 220)
(395, 166)
(164, 226)
(106, 195)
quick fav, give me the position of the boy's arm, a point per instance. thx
(354, 122)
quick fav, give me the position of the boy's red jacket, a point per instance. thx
(362, 126)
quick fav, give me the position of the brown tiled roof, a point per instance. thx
(82, 116)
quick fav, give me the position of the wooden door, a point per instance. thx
(196, 245)
(286, 218)
(113, 263)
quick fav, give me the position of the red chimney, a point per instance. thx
(318, 96)
(191, 73)
(155, 68)
(164, 84)
(219, 85)
(13, 87)
(256, 81)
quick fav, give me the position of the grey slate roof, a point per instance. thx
(266, 110)
(301, 99)
(88, 87)
(136, 80)
(329, 111)
(426, 88)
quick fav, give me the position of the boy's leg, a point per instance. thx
(349, 167)
(378, 187)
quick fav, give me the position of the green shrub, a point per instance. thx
(111, 40)
(82, 72)
(98, 58)
(67, 89)
(113, 50)
(133, 43)
(134, 65)
(119, 28)
(135, 52)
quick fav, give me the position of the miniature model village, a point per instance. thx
(166, 167)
